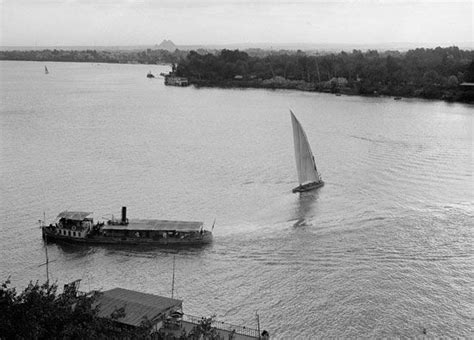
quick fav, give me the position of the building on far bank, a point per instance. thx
(467, 86)
(467, 92)
(172, 80)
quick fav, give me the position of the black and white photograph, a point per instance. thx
(236, 169)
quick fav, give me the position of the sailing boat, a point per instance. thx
(308, 174)
(46, 70)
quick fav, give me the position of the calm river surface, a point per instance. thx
(384, 249)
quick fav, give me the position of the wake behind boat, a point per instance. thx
(308, 175)
(79, 227)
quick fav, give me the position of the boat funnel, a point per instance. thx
(124, 215)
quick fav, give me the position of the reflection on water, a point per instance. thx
(78, 250)
(305, 207)
(131, 250)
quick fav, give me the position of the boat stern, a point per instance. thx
(206, 236)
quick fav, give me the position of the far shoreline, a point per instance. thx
(243, 85)
(347, 92)
(388, 73)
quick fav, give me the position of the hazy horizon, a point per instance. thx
(265, 45)
(229, 22)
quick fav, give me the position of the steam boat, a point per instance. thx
(79, 227)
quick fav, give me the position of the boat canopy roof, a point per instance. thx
(74, 215)
(156, 225)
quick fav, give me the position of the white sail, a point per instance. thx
(305, 165)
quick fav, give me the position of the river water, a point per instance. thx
(384, 249)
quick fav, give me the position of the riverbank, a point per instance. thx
(422, 73)
(464, 93)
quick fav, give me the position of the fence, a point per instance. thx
(224, 326)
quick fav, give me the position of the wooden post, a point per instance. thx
(45, 235)
(172, 283)
(47, 259)
(258, 324)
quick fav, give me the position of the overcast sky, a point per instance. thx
(186, 22)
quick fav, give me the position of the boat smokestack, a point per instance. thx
(124, 215)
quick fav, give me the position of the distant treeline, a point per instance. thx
(148, 56)
(427, 73)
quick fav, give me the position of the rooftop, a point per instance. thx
(74, 215)
(156, 225)
(137, 305)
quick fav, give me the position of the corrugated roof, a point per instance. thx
(74, 215)
(137, 305)
(157, 225)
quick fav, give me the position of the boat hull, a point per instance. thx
(51, 235)
(308, 186)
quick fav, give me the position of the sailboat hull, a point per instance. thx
(308, 186)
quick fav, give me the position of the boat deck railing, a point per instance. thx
(251, 332)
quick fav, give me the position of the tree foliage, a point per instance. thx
(430, 73)
(148, 56)
(39, 312)
(203, 330)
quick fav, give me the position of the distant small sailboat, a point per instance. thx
(46, 70)
(308, 175)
